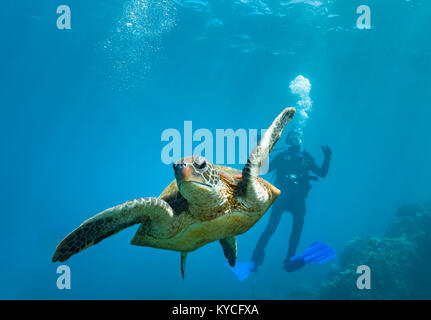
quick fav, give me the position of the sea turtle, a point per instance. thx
(204, 203)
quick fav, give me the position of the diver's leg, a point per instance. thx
(298, 213)
(274, 219)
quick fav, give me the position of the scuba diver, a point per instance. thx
(292, 168)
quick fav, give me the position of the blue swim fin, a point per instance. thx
(242, 269)
(317, 252)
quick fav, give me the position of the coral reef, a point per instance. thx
(399, 261)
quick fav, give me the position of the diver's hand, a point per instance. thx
(327, 151)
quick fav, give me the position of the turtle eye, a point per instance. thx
(200, 163)
(203, 165)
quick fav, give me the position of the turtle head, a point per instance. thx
(198, 181)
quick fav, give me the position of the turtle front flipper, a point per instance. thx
(153, 212)
(261, 152)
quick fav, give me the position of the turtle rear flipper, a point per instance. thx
(229, 249)
(154, 212)
(183, 263)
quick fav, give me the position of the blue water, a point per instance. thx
(83, 110)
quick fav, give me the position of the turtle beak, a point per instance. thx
(183, 172)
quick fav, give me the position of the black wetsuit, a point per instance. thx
(293, 179)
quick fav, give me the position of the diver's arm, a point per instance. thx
(323, 170)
